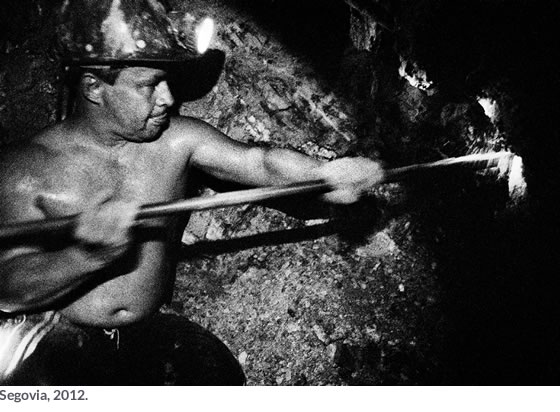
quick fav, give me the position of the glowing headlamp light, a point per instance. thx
(204, 33)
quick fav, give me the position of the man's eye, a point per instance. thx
(149, 84)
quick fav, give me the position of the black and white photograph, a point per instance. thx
(278, 193)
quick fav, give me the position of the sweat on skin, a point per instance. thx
(121, 148)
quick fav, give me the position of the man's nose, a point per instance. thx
(164, 96)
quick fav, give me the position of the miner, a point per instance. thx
(84, 309)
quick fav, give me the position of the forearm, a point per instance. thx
(226, 159)
(35, 280)
(280, 166)
(349, 177)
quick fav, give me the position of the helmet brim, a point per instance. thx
(129, 62)
(191, 78)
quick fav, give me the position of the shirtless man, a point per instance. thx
(96, 295)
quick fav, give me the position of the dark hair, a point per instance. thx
(107, 74)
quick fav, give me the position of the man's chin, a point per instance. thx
(156, 135)
(149, 134)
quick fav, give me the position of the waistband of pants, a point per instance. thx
(20, 335)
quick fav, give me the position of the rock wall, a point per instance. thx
(29, 71)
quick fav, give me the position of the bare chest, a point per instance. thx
(141, 178)
(147, 180)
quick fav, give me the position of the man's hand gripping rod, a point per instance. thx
(25, 230)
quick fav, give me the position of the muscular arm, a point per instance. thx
(228, 159)
(33, 277)
(235, 161)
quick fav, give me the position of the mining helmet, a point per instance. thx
(130, 32)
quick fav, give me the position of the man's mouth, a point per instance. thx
(161, 118)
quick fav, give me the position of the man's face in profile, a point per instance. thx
(139, 103)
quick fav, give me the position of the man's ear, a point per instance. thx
(91, 87)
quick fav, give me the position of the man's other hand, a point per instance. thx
(351, 177)
(104, 228)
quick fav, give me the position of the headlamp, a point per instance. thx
(204, 34)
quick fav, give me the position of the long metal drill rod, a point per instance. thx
(501, 160)
(62, 225)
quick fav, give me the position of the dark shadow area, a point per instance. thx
(313, 28)
(18, 17)
(351, 223)
(498, 268)
(498, 265)
(506, 50)
(274, 238)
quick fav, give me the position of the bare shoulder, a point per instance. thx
(190, 125)
(205, 145)
(188, 133)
